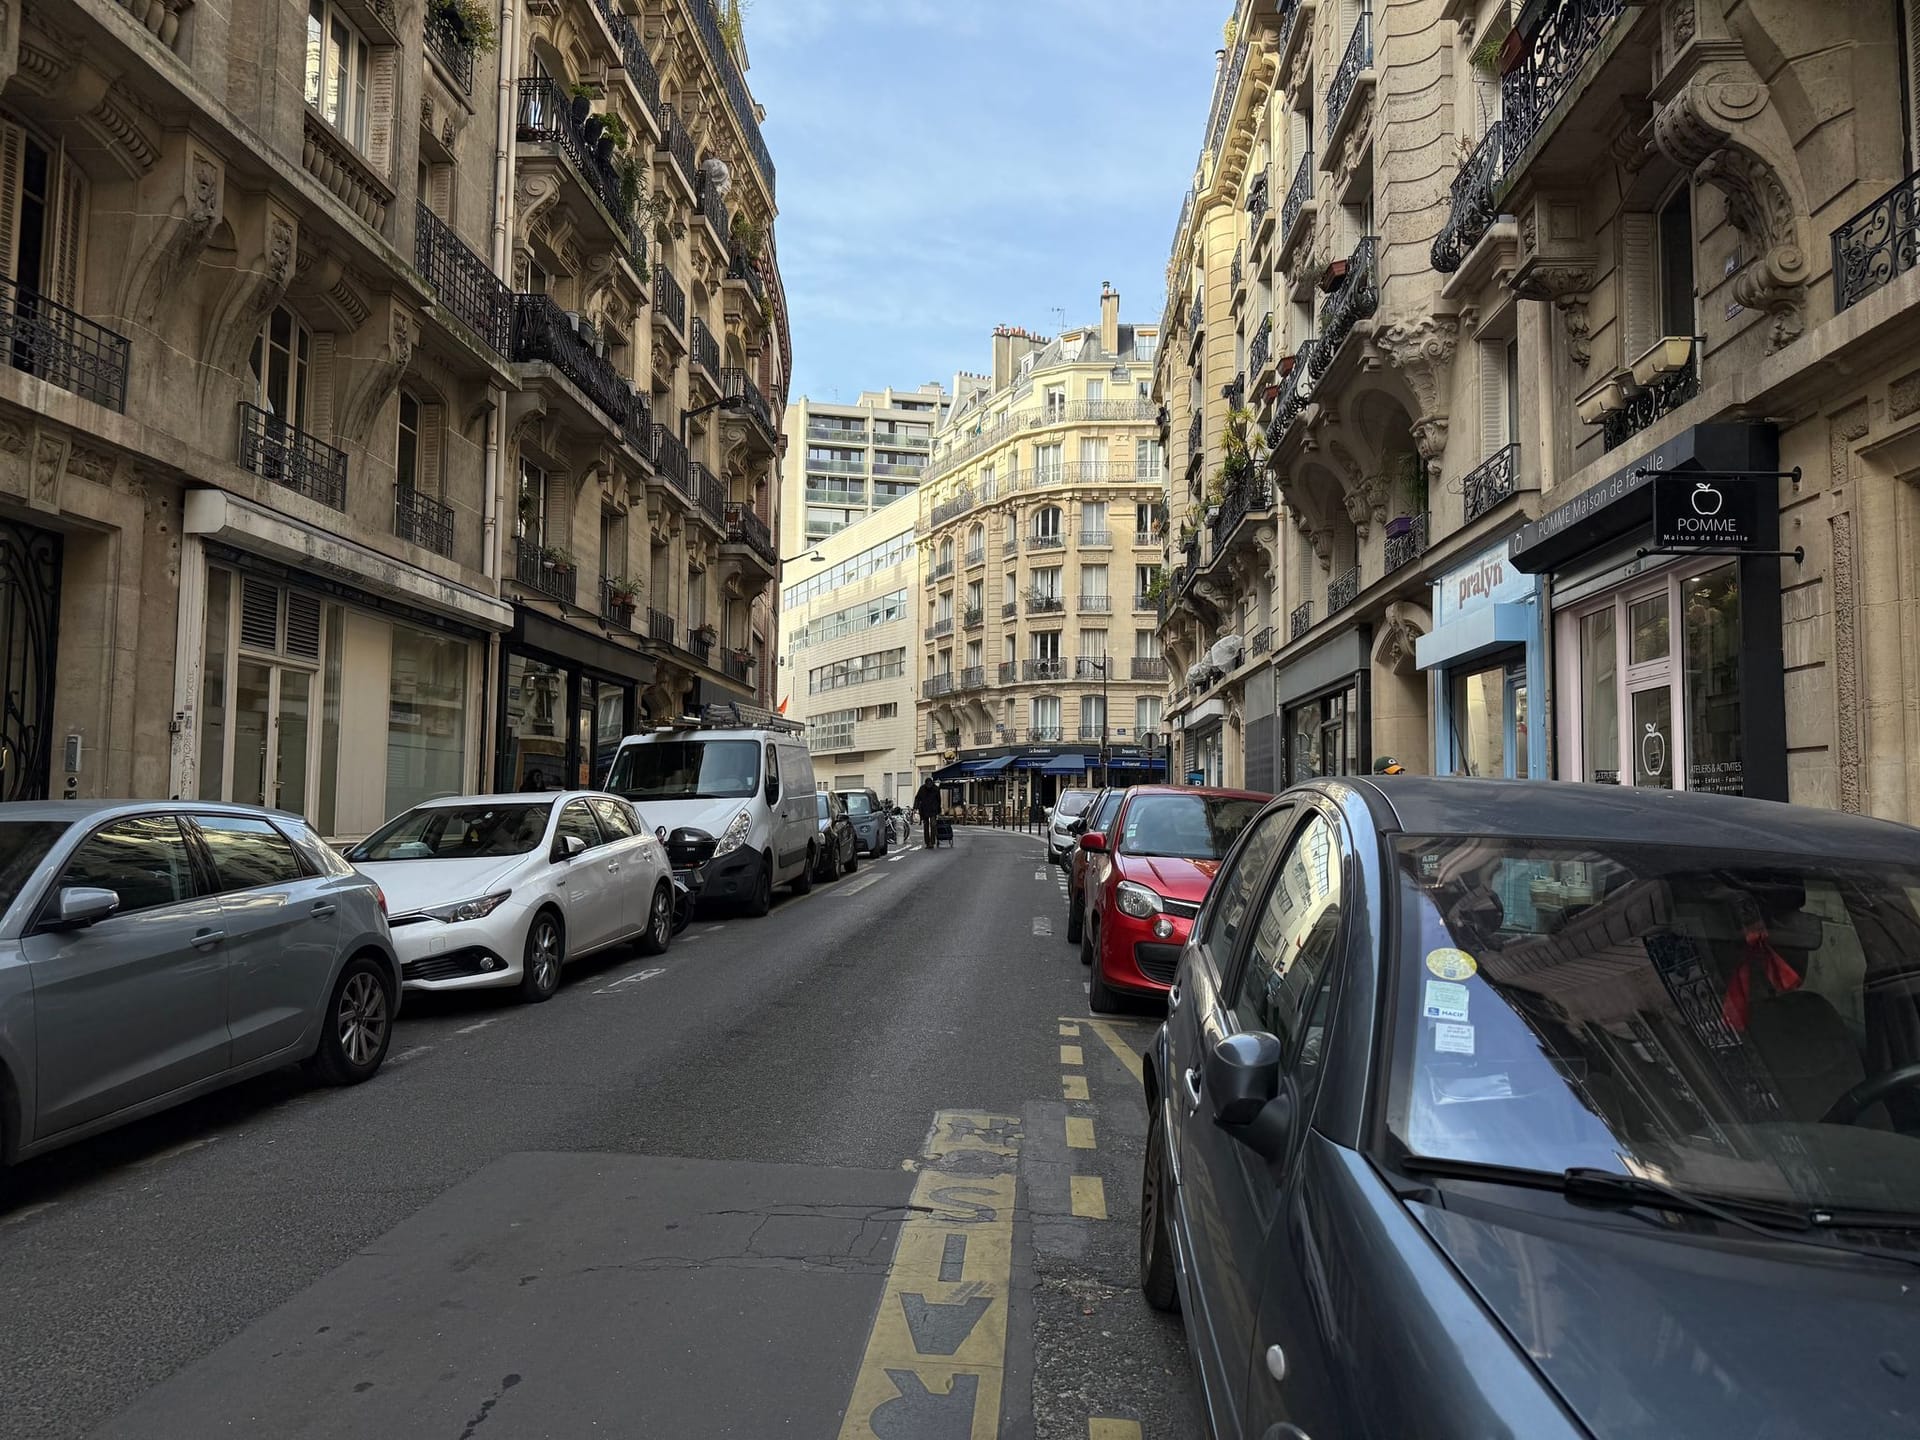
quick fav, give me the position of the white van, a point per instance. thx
(742, 775)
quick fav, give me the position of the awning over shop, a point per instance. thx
(978, 769)
(951, 774)
(1065, 765)
(1137, 762)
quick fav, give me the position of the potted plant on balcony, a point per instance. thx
(622, 593)
(580, 98)
(1407, 474)
(557, 558)
(468, 22)
(1335, 275)
(706, 634)
(748, 238)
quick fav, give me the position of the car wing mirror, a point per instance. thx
(1250, 1098)
(78, 906)
(567, 847)
(1094, 843)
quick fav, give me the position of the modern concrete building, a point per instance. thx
(847, 653)
(1678, 239)
(357, 394)
(857, 458)
(1040, 534)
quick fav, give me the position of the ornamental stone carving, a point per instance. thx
(1422, 349)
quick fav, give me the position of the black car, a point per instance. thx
(1558, 1111)
(839, 850)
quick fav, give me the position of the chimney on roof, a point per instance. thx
(1109, 319)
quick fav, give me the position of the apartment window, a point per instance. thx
(1146, 644)
(1012, 584)
(406, 463)
(1093, 581)
(1047, 464)
(1093, 452)
(1046, 520)
(1144, 577)
(1146, 714)
(1046, 582)
(976, 594)
(1146, 462)
(337, 63)
(976, 654)
(1096, 389)
(281, 353)
(1676, 264)
(1093, 716)
(1093, 644)
(1046, 717)
(1056, 402)
(1093, 521)
(946, 553)
(1046, 645)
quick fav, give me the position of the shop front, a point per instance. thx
(1486, 657)
(1665, 587)
(1322, 700)
(567, 698)
(1202, 730)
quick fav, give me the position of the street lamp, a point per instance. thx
(1105, 663)
(725, 402)
(813, 555)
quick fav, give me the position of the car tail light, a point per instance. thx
(380, 899)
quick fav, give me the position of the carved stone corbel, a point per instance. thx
(253, 287)
(372, 379)
(1422, 349)
(1395, 634)
(1558, 264)
(180, 203)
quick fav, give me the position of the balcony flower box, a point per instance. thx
(1399, 525)
(1603, 400)
(1287, 362)
(1335, 275)
(1513, 50)
(1669, 355)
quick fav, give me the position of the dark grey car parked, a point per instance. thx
(150, 952)
(1494, 1108)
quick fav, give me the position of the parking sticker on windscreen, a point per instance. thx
(1453, 1039)
(1445, 1001)
(1450, 964)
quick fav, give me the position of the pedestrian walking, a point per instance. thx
(926, 804)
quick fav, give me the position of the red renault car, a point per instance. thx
(1147, 874)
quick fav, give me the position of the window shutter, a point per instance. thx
(67, 233)
(12, 147)
(303, 625)
(1639, 284)
(259, 614)
(1912, 14)
(557, 529)
(441, 181)
(380, 109)
(427, 477)
(1493, 397)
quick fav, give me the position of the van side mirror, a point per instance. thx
(78, 906)
(1093, 842)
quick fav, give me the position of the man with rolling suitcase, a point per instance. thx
(926, 804)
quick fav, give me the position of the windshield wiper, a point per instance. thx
(1769, 1219)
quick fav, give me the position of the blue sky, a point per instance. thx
(946, 167)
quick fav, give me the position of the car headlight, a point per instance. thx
(735, 835)
(1136, 900)
(468, 909)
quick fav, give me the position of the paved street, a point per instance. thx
(671, 1202)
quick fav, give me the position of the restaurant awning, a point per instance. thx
(1138, 762)
(951, 774)
(978, 768)
(1065, 765)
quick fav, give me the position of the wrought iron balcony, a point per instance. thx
(542, 333)
(1258, 199)
(1878, 245)
(934, 686)
(1357, 297)
(1358, 57)
(973, 677)
(700, 646)
(1096, 539)
(1011, 547)
(1009, 672)
(1489, 482)
(541, 570)
(1299, 195)
(1149, 667)
(1262, 641)
(661, 627)
(738, 383)
(1471, 211)
(1196, 430)
(545, 117)
(633, 55)
(1197, 318)
(1300, 620)
(1568, 33)
(616, 605)
(1237, 271)
(676, 142)
(449, 43)
(1251, 497)
(973, 617)
(62, 346)
(1144, 604)
(422, 520)
(939, 571)
(669, 299)
(742, 267)
(462, 281)
(1260, 347)
(1342, 589)
(709, 489)
(704, 349)
(1404, 546)
(1010, 609)
(637, 428)
(977, 556)
(1093, 604)
(1295, 392)
(1046, 605)
(746, 528)
(956, 505)
(1043, 734)
(276, 451)
(1054, 668)
(670, 456)
(736, 664)
(1053, 541)
(939, 628)
(739, 102)
(713, 209)
(1645, 406)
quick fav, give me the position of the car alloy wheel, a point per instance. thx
(1157, 1280)
(362, 1016)
(546, 953)
(659, 932)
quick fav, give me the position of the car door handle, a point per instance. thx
(322, 909)
(1191, 1075)
(613, 867)
(1173, 999)
(207, 939)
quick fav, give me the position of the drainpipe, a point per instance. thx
(496, 411)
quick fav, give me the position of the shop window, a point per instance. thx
(536, 742)
(1600, 699)
(427, 708)
(1710, 619)
(338, 68)
(1323, 736)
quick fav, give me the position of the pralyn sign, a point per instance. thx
(1706, 514)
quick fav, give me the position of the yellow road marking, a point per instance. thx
(1069, 1029)
(1079, 1133)
(1089, 1196)
(935, 1360)
(1117, 1043)
(1070, 1055)
(1073, 1087)
(1113, 1430)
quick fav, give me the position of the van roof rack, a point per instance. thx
(732, 715)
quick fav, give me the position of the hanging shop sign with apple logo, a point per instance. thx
(1713, 514)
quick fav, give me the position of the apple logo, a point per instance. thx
(1706, 500)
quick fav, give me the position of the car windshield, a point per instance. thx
(856, 801)
(687, 770)
(23, 845)
(459, 832)
(1072, 802)
(1714, 1021)
(1188, 827)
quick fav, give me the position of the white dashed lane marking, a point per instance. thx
(469, 1029)
(1042, 925)
(632, 979)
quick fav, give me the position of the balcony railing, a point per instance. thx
(1647, 405)
(742, 267)
(1258, 199)
(1237, 270)
(1011, 546)
(670, 456)
(976, 556)
(422, 520)
(448, 42)
(836, 495)
(1054, 668)
(62, 347)
(1144, 604)
(1053, 541)
(1300, 620)
(669, 299)
(1471, 211)
(1197, 317)
(1046, 605)
(1356, 299)
(542, 333)
(616, 605)
(1262, 346)
(1298, 194)
(1407, 545)
(1009, 672)
(704, 349)
(746, 528)
(739, 102)
(1092, 730)
(1149, 667)
(633, 55)
(1096, 539)
(1250, 497)
(276, 451)
(709, 490)
(974, 616)
(1010, 609)
(939, 571)
(941, 627)
(1093, 604)
(934, 686)
(736, 664)
(1879, 244)
(675, 140)
(900, 440)
(1488, 483)
(836, 434)
(1342, 589)
(955, 505)
(735, 382)
(1295, 393)
(545, 116)
(1567, 35)
(1043, 734)
(637, 428)
(1262, 642)
(534, 568)
(973, 677)
(1358, 57)
(713, 209)
(461, 280)
(700, 646)
(661, 627)
(1144, 538)
(1196, 431)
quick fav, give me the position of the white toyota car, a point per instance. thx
(502, 890)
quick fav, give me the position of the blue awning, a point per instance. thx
(988, 767)
(951, 774)
(1065, 765)
(1139, 763)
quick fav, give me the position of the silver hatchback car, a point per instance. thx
(150, 952)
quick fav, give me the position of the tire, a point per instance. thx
(1086, 945)
(358, 1025)
(881, 853)
(1100, 999)
(658, 935)
(803, 882)
(1074, 925)
(1157, 1280)
(545, 956)
(761, 900)
(853, 858)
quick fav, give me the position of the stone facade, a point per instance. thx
(293, 306)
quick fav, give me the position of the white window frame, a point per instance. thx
(340, 56)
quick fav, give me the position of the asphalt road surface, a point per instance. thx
(862, 1170)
